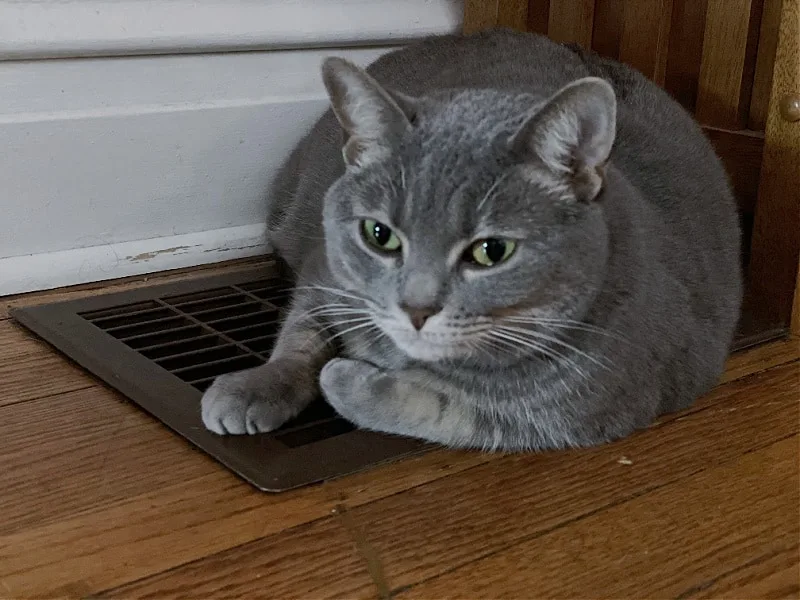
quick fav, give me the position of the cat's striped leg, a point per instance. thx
(411, 403)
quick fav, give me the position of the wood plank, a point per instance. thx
(118, 542)
(85, 450)
(685, 50)
(645, 37)
(29, 369)
(538, 16)
(16, 342)
(318, 561)
(480, 15)
(513, 14)
(776, 231)
(432, 529)
(663, 544)
(765, 63)
(742, 153)
(795, 324)
(773, 576)
(571, 21)
(760, 358)
(609, 19)
(751, 55)
(723, 96)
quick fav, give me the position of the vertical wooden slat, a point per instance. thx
(685, 50)
(750, 57)
(765, 61)
(609, 16)
(538, 15)
(480, 14)
(795, 326)
(721, 100)
(645, 36)
(571, 21)
(513, 14)
(776, 230)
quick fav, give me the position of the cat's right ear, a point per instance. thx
(372, 118)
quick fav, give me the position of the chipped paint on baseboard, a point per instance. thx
(154, 253)
(236, 249)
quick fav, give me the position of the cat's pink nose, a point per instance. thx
(419, 315)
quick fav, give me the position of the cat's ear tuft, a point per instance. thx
(572, 135)
(372, 117)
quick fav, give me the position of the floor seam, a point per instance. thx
(373, 561)
(52, 395)
(707, 583)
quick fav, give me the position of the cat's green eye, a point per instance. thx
(380, 236)
(490, 252)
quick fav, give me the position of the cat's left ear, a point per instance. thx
(572, 135)
(372, 117)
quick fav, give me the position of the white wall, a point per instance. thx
(136, 149)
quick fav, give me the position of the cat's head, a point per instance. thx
(463, 216)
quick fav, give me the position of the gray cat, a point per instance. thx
(514, 245)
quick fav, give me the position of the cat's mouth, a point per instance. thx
(431, 346)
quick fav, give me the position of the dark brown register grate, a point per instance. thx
(163, 346)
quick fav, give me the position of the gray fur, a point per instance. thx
(619, 302)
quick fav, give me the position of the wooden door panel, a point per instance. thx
(765, 62)
(685, 50)
(512, 14)
(609, 17)
(480, 14)
(730, 42)
(645, 36)
(776, 235)
(571, 21)
(741, 153)
(538, 15)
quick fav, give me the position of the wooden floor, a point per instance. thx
(98, 499)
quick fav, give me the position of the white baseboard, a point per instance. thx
(80, 28)
(19, 274)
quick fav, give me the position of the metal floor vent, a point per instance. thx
(162, 346)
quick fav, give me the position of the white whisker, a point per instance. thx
(335, 324)
(554, 340)
(360, 321)
(566, 324)
(369, 324)
(331, 290)
(545, 350)
(526, 343)
(325, 311)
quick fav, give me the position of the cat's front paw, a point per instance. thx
(254, 401)
(346, 385)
